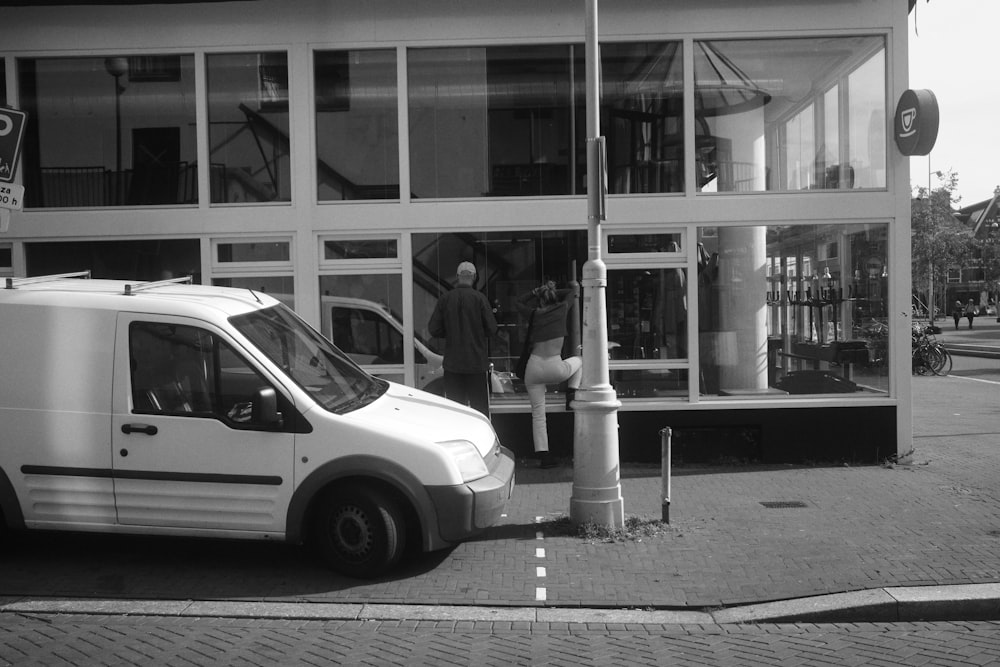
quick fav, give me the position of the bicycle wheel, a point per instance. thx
(934, 355)
(920, 366)
(945, 365)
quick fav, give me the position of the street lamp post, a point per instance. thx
(596, 496)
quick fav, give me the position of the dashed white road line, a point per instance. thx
(540, 592)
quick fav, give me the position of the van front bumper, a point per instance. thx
(465, 510)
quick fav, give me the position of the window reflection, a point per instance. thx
(145, 260)
(109, 131)
(768, 114)
(357, 137)
(361, 315)
(647, 313)
(793, 310)
(509, 121)
(495, 121)
(281, 288)
(248, 127)
(509, 264)
(642, 111)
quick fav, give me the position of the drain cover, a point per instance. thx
(783, 504)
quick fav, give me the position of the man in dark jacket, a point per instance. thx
(464, 319)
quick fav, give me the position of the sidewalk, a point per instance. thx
(745, 544)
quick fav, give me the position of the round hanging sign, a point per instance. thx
(916, 122)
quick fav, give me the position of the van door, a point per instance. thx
(187, 452)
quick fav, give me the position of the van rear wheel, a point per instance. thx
(359, 531)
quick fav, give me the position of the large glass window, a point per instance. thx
(361, 314)
(109, 131)
(248, 127)
(509, 121)
(641, 114)
(145, 260)
(357, 136)
(509, 264)
(495, 121)
(790, 114)
(262, 265)
(788, 310)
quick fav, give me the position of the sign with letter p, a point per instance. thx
(11, 133)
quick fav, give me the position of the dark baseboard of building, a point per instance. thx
(861, 435)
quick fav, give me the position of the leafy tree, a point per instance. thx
(938, 240)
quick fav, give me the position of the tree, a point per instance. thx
(938, 240)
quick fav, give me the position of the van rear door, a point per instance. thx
(187, 452)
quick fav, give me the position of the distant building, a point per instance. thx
(979, 278)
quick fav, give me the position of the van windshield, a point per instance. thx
(311, 361)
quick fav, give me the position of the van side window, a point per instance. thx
(187, 371)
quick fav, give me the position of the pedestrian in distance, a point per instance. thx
(971, 311)
(957, 312)
(464, 319)
(548, 309)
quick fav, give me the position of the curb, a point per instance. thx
(967, 602)
(966, 350)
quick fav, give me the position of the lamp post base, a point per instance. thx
(597, 491)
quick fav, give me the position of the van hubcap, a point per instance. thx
(352, 533)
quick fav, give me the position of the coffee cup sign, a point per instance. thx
(916, 122)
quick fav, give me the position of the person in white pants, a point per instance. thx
(549, 308)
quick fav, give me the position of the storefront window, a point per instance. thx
(769, 114)
(509, 121)
(357, 136)
(495, 121)
(6, 259)
(281, 288)
(150, 260)
(790, 310)
(642, 113)
(248, 127)
(509, 264)
(109, 131)
(254, 252)
(361, 314)
(360, 249)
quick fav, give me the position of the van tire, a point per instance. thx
(359, 531)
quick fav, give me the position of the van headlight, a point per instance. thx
(468, 459)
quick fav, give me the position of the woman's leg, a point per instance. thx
(539, 432)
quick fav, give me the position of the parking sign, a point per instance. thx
(11, 133)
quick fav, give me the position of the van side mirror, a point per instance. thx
(265, 408)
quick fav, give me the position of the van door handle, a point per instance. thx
(148, 429)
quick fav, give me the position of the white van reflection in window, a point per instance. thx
(372, 336)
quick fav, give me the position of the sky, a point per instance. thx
(953, 52)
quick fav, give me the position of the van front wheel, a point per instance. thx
(359, 531)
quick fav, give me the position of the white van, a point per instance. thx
(177, 409)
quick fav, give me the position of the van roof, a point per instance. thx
(167, 297)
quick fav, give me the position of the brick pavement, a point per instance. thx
(125, 640)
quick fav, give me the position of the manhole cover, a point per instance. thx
(783, 504)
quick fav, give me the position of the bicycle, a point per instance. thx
(929, 355)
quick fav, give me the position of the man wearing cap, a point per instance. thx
(464, 319)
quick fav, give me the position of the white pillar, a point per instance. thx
(743, 316)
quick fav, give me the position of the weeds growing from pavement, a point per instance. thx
(634, 530)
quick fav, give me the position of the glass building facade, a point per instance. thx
(751, 187)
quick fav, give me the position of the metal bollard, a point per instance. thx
(665, 434)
